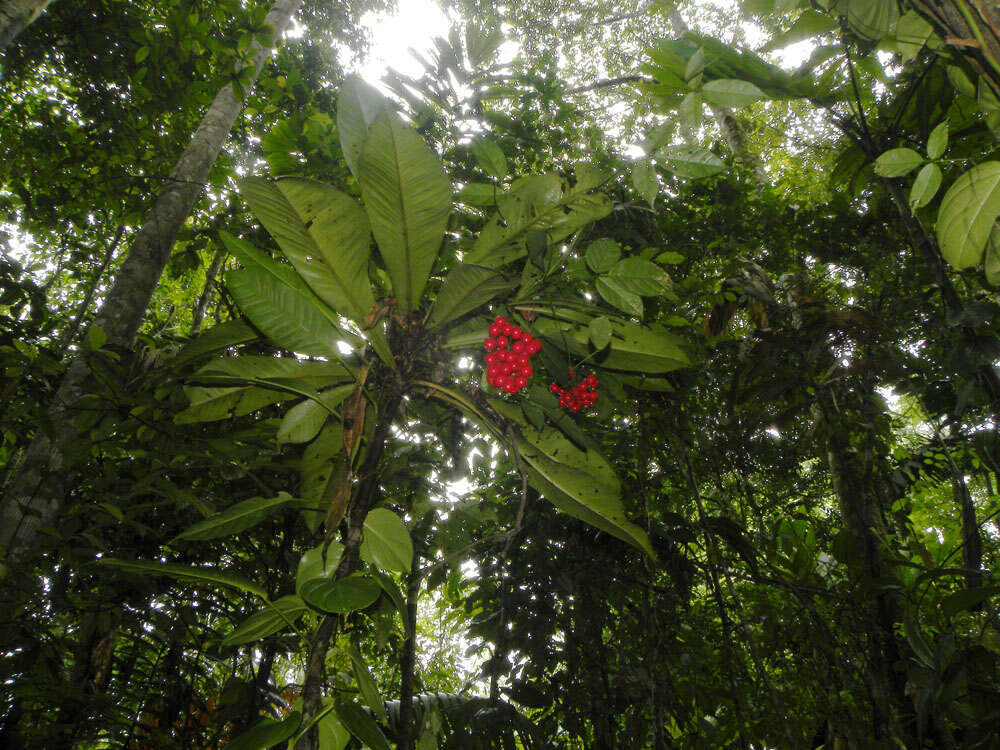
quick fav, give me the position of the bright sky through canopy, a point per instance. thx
(414, 24)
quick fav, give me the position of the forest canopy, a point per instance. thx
(624, 377)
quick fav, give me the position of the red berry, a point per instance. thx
(536, 346)
(515, 332)
(520, 381)
(510, 386)
(499, 320)
(519, 348)
(527, 371)
(572, 372)
(553, 388)
(489, 344)
(502, 342)
(495, 330)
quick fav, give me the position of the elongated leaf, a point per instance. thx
(641, 276)
(237, 518)
(952, 604)
(897, 162)
(478, 194)
(967, 213)
(312, 221)
(466, 288)
(318, 564)
(333, 735)
(634, 348)
(252, 257)
(392, 591)
(386, 541)
(267, 733)
(602, 255)
(579, 483)
(303, 421)
(263, 369)
(268, 621)
(938, 141)
(692, 162)
(912, 33)
(991, 261)
(617, 295)
(925, 187)
(408, 198)
(727, 92)
(361, 725)
(358, 104)
(645, 181)
(340, 597)
(213, 404)
(599, 332)
(366, 684)
(872, 19)
(222, 336)
(186, 573)
(490, 157)
(285, 316)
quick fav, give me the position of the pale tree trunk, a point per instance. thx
(732, 130)
(35, 497)
(15, 15)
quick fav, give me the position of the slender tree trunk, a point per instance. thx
(406, 735)
(15, 15)
(36, 496)
(206, 294)
(81, 312)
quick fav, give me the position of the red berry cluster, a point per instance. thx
(508, 356)
(583, 395)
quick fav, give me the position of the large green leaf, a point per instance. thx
(634, 348)
(318, 564)
(727, 92)
(578, 482)
(340, 597)
(616, 294)
(323, 232)
(213, 404)
(268, 621)
(285, 316)
(872, 19)
(267, 733)
(236, 518)
(303, 421)
(692, 162)
(358, 104)
(539, 203)
(466, 288)
(408, 198)
(322, 469)
(602, 254)
(361, 725)
(490, 157)
(641, 276)
(645, 180)
(222, 336)
(333, 735)
(897, 162)
(967, 213)
(386, 541)
(366, 683)
(925, 186)
(186, 573)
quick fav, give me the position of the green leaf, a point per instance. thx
(490, 157)
(599, 332)
(602, 254)
(358, 104)
(578, 482)
(809, 24)
(689, 111)
(303, 421)
(695, 65)
(323, 233)
(267, 733)
(897, 162)
(268, 621)
(366, 684)
(333, 735)
(925, 187)
(479, 194)
(961, 82)
(617, 295)
(641, 276)
(691, 162)
(340, 597)
(221, 336)
(991, 262)
(285, 316)
(185, 573)
(395, 595)
(912, 33)
(386, 541)
(96, 337)
(141, 54)
(967, 214)
(634, 347)
(212, 404)
(318, 563)
(408, 199)
(872, 19)
(236, 518)
(645, 181)
(361, 725)
(724, 92)
(960, 601)
(466, 288)
(938, 141)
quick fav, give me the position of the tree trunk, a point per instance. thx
(15, 15)
(206, 294)
(36, 496)
(971, 28)
(406, 735)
